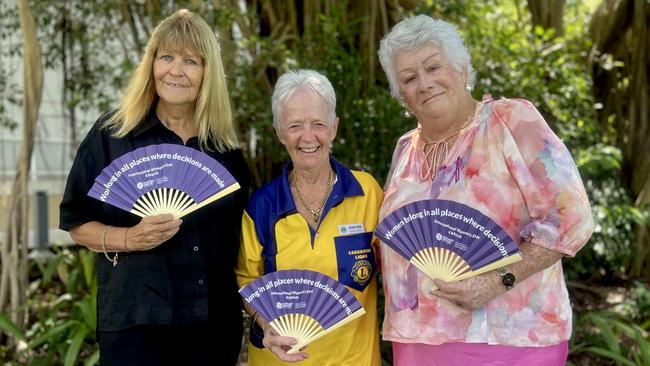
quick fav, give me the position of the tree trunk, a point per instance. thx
(13, 281)
(548, 14)
(620, 30)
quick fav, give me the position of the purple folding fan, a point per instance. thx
(302, 304)
(165, 178)
(447, 240)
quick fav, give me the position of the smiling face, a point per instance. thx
(430, 85)
(178, 77)
(304, 129)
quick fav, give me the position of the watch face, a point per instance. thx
(508, 280)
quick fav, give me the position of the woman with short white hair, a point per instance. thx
(502, 159)
(318, 215)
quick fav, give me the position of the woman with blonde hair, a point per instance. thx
(167, 288)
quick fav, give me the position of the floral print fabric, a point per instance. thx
(508, 164)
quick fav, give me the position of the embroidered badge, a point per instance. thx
(361, 272)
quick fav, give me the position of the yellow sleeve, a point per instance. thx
(249, 264)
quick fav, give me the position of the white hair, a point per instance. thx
(291, 81)
(414, 33)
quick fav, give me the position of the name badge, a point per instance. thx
(349, 229)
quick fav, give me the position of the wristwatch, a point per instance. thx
(507, 278)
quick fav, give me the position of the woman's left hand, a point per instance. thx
(471, 293)
(475, 292)
(280, 346)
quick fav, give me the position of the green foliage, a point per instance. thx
(639, 310)
(370, 119)
(252, 113)
(513, 60)
(91, 42)
(9, 94)
(599, 161)
(62, 300)
(610, 335)
(10, 328)
(610, 253)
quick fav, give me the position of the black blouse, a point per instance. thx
(186, 280)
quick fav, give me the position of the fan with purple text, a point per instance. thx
(447, 240)
(164, 178)
(302, 304)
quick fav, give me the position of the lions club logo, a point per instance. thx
(361, 272)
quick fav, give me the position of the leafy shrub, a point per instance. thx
(62, 303)
(639, 308)
(610, 335)
(610, 252)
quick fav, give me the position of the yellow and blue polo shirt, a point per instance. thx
(276, 237)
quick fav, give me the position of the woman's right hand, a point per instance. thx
(151, 232)
(279, 345)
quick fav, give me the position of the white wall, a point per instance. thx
(52, 155)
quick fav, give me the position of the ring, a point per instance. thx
(162, 235)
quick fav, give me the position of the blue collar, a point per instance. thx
(346, 186)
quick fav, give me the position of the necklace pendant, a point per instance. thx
(315, 214)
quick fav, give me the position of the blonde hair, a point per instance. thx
(182, 31)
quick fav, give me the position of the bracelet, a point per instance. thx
(125, 232)
(254, 325)
(114, 259)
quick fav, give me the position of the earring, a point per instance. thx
(407, 111)
(468, 88)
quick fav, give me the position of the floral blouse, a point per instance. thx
(508, 164)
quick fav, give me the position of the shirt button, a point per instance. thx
(200, 281)
(196, 248)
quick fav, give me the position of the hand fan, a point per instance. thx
(447, 240)
(165, 178)
(302, 304)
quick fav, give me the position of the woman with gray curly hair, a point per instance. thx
(502, 159)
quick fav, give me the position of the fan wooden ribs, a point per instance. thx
(447, 240)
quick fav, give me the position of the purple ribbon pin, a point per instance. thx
(455, 176)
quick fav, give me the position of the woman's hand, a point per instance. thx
(475, 292)
(151, 232)
(471, 293)
(279, 345)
